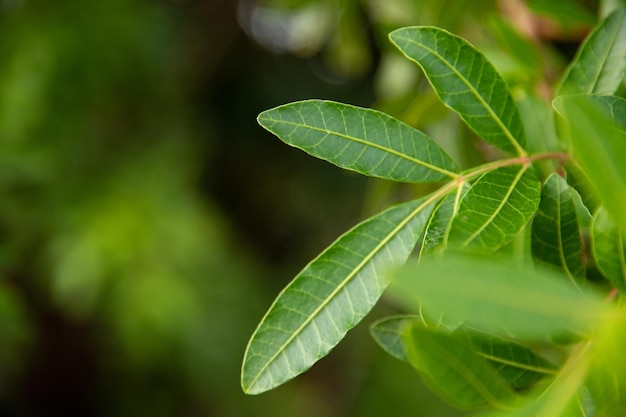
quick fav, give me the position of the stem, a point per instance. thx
(520, 160)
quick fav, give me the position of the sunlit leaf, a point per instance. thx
(598, 143)
(556, 235)
(498, 295)
(606, 379)
(359, 139)
(496, 208)
(466, 82)
(330, 296)
(609, 248)
(599, 65)
(515, 363)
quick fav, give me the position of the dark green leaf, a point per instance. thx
(599, 65)
(609, 249)
(496, 208)
(362, 140)
(556, 235)
(331, 295)
(453, 370)
(598, 143)
(499, 296)
(466, 82)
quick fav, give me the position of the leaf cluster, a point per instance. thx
(513, 291)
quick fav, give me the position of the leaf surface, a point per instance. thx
(363, 140)
(609, 248)
(598, 142)
(438, 227)
(498, 295)
(599, 65)
(496, 208)
(466, 82)
(556, 235)
(515, 363)
(331, 295)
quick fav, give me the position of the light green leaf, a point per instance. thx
(606, 380)
(496, 208)
(598, 143)
(438, 227)
(600, 63)
(466, 82)
(556, 235)
(498, 295)
(609, 249)
(363, 140)
(331, 295)
(454, 371)
(515, 363)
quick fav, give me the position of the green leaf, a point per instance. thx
(466, 82)
(609, 248)
(598, 143)
(438, 227)
(515, 363)
(556, 235)
(599, 65)
(496, 208)
(363, 140)
(606, 379)
(499, 296)
(331, 295)
(454, 371)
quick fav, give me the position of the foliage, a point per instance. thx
(509, 314)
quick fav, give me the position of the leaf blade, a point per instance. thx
(556, 235)
(497, 295)
(495, 209)
(466, 82)
(363, 140)
(330, 296)
(609, 248)
(599, 65)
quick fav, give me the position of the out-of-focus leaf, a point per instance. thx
(498, 295)
(565, 12)
(453, 370)
(466, 82)
(599, 65)
(556, 238)
(609, 248)
(598, 143)
(438, 227)
(496, 208)
(330, 296)
(515, 363)
(606, 380)
(359, 139)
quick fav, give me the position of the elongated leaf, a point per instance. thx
(453, 370)
(499, 296)
(496, 208)
(515, 363)
(598, 143)
(556, 235)
(600, 63)
(330, 296)
(466, 82)
(362, 140)
(438, 227)
(609, 248)
(606, 380)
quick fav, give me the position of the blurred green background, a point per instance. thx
(147, 222)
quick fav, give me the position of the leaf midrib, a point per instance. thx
(435, 168)
(507, 132)
(438, 194)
